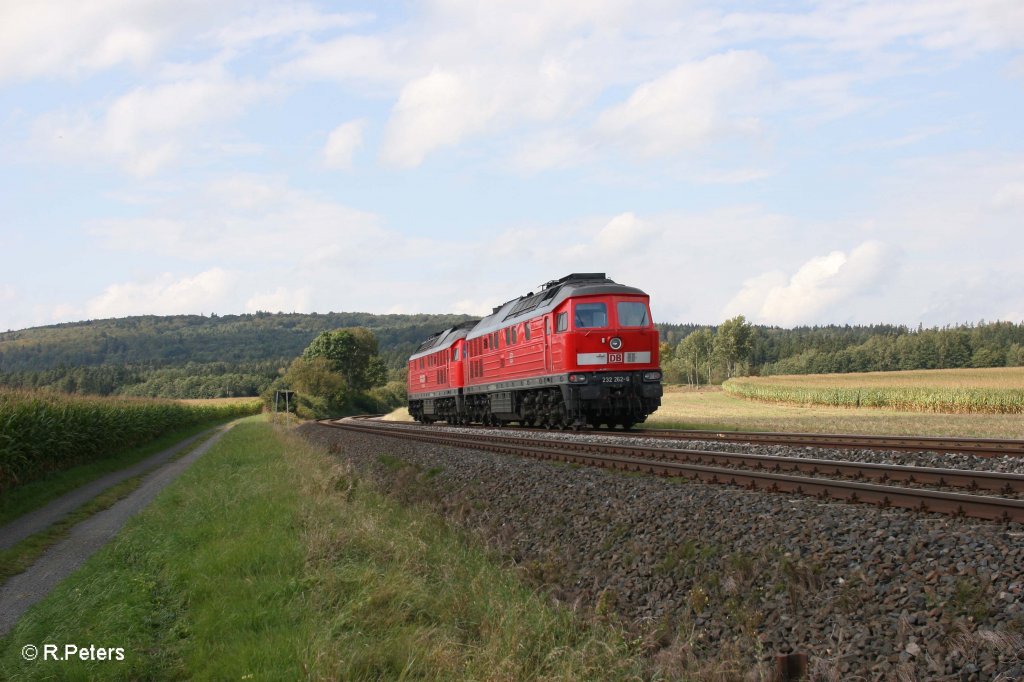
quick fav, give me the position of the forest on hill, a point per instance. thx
(191, 356)
(194, 356)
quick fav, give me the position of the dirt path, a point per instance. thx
(44, 517)
(61, 560)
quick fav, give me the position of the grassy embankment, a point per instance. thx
(268, 559)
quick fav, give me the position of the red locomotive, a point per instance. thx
(582, 350)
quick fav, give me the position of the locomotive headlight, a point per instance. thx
(615, 343)
(577, 378)
(652, 376)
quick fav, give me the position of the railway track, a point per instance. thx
(848, 481)
(982, 447)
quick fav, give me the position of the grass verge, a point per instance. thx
(268, 559)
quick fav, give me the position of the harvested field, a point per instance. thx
(955, 391)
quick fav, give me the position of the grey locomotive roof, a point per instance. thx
(551, 296)
(443, 339)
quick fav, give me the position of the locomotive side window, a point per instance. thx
(515, 334)
(455, 354)
(547, 325)
(508, 336)
(526, 331)
(591, 315)
(563, 322)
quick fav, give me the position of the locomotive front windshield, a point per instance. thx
(631, 314)
(591, 315)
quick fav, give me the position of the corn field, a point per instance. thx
(41, 433)
(999, 391)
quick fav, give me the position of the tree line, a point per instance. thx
(192, 356)
(712, 354)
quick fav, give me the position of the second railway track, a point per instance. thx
(981, 447)
(849, 481)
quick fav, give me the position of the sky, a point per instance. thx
(797, 162)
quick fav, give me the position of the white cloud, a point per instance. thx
(815, 289)
(149, 127)
(688, 106)
(342, 144)
(163, 295)
(277, 21)
(625, 233)
(562, 148)
(8, 292)
(872, 25)
(460, 71)
(434, 111)
(359, 58)
(60, 38)
(1009, 196)
(281, 299)
(70, 39)
(976, 294)
(244, 219)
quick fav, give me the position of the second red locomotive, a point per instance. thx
(583, 350)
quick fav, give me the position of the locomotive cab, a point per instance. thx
(611, 356)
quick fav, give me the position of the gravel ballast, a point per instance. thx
(718, 573)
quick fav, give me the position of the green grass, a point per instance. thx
(269, 560)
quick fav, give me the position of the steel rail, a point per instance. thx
(983, 447)
(978, 506)
(994, 481)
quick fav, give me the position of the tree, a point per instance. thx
(353, 353)
(732, 343)
(320, 390)
(695, 352)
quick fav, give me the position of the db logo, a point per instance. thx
(614, 357)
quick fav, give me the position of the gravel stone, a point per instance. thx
(879, 593)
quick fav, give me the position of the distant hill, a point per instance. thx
(159, 341)
(183, 356)
(193, 356)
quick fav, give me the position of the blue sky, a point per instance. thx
(839, 161)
